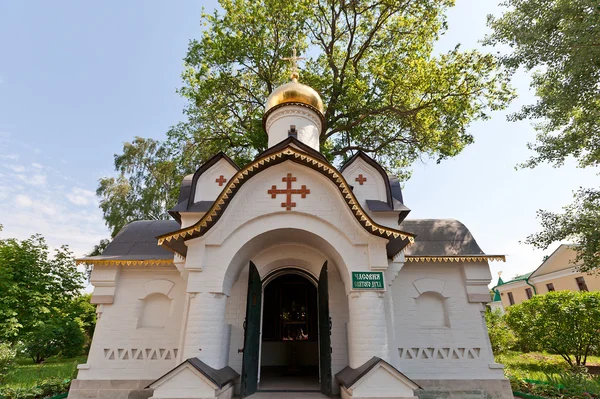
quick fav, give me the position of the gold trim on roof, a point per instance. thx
(124, 262)
(482, 258)
(289, 153)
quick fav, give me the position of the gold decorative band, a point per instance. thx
(124, 262)
(288, 153)
(491, 258)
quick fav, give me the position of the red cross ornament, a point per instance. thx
(360, 179)
(221, 180)
(288, 191)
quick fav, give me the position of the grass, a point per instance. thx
(26, 374)
(536, 365)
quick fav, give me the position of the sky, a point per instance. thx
(78, 79)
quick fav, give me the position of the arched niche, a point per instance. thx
(431, 303)
(156, 304)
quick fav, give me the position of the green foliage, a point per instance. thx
(146, 188)
(532, 365)
(578, 222)
(562, 322)
(7, 356)
(26, 374)
(84, 313)
(53, 336)
(39, 305)
(33, 284)
(385, 92)
(560, 40)
(43, 389)
(501, 336)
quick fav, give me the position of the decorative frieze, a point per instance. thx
(140, 354)
(452, 353)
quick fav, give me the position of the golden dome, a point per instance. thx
(294, 92)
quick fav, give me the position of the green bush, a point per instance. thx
(501, 336)
(561, 322)
(7, 356)
(44, 389)
(52, 337)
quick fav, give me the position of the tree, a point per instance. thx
(560, 41)
(562, 322)
(580, 221)
(146, 188)
(37, 292)
(386, 92)
(51, 336)
(501, 337)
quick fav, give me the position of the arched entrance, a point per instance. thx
(287, 343)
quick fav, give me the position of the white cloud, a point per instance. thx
(79, 196)
(12, 157)
(37, 165)
(23, 201)
(37, 180)
(15, 168)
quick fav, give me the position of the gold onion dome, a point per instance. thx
(295, 92)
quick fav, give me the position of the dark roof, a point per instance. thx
(137, 241)
(186, 188)
(396, 189)
(219, 377)
(440, 237)
(349, 376)
(200, 206)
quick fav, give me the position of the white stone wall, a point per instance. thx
(121, 348)
(322, 219)
(306, 121)
(453, 345)
(374, 188)
(207, 188)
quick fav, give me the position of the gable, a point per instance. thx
(369, 182)
(382, 382)
(561, 259)
(209, 184)
(399, 238)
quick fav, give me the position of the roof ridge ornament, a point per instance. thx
(294, 65)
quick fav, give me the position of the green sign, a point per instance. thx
(367, 280)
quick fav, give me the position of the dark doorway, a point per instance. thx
(290, 335)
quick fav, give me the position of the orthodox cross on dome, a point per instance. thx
(360, 179)
(221, 180)
(288, 204)
(293, 63)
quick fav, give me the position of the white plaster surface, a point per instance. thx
(306, 121)
(460, 350)
(207, 188)
(124, 350)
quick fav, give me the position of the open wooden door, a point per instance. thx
(251, 333)
(324, 333)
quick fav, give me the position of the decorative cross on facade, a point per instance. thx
(360, 179)
(288, 204)
(293, 132)
(221, 180)
(293, 63)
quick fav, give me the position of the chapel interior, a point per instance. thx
(290, 353)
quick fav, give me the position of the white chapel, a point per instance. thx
(289, 275)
